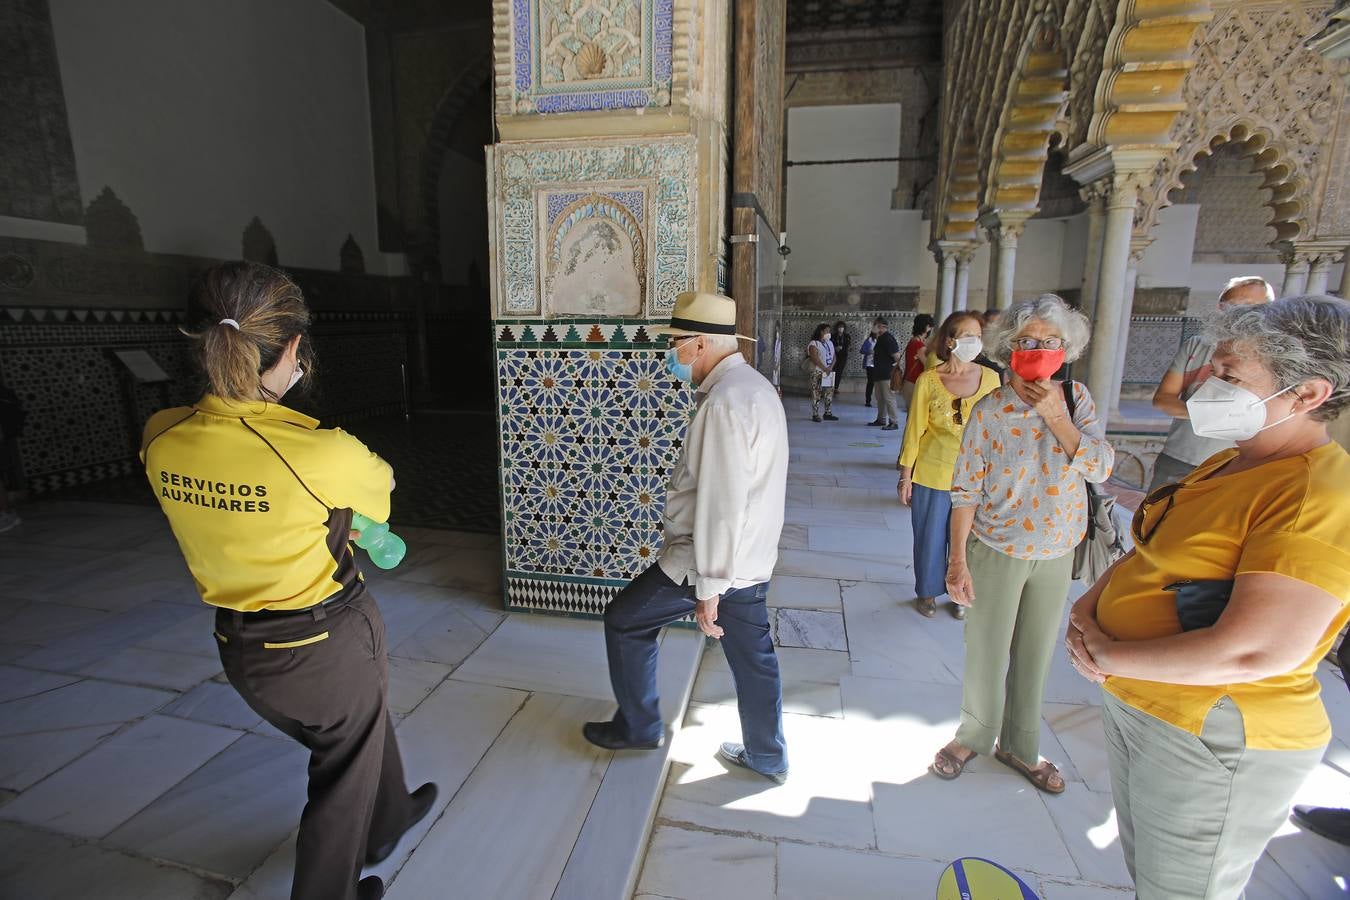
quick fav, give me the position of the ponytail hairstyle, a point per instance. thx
(268, 310)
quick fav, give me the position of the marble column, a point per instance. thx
(1345, 274)
(992, 291)
(1295, 274)
(1094, 195)
(1007, 266)
(1123, 345)
(1107, 335)
(947, 285)
(1319, 273)
(963, 261)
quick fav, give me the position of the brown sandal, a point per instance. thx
(956, 764)
(927, 606)
(1041, 776)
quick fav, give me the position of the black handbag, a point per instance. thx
(1104, 542)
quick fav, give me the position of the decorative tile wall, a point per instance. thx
(84, 419)
(580, 55)
(591, 425)
(799, 324)
(644, 188)
(1153, 342)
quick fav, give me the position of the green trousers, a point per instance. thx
(1196, 813)
(1012, 631)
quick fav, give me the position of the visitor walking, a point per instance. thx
(1209, 634)
(723, 519)
(943, 400)
(885, 357)
(1019, 508)
(820, 353)
(1184, 449)
(916, 356)
(868, 346)
(261, 500)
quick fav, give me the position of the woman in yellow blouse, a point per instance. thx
(943, 398)
(1208, 634)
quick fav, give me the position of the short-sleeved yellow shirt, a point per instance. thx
(1290, 517)
(260, 499)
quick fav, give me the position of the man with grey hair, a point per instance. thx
(1184, 449)
(723, 518)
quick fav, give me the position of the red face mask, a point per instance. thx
(1037, 365)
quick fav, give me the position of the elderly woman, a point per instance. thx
(1019, 508)
(1209, 633)
(944, 398)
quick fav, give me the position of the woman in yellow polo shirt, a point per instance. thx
(943, 398)
(261, 499)
(1208, 635)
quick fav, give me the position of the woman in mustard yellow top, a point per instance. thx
(943, 398)
(1208, 635)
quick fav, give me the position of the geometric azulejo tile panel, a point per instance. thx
(638, 192)
(580, 55)
(589, 435)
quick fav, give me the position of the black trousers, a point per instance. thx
(322, 678)
(867, 397)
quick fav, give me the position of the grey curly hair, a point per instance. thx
(1049, 308)
(1298, 339)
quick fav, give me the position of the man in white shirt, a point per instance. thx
(1184, 449)
(723, 519)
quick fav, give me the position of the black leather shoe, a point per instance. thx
(370, 888)
(876, 423)
(422, 800)
(1332, 824)
(608, 735)
(830, 418)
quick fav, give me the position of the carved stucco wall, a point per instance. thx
(1256, 82)
(1233, 224)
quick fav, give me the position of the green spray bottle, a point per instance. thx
(385, 548)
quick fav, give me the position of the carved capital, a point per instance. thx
(1094, 194)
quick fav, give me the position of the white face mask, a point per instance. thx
(295, 377)
(1227, 412)
(967, 348)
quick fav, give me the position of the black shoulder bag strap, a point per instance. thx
(1087, 485)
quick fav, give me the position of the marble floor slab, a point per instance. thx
(816, 629)
(229, 814)
(697, 864)
(36, 865)
(215, 704)
(800, 592)
(540, 764)
(542, 653)
(120, 777)
(153, 668)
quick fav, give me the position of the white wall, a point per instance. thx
(839, 217)
(202, 115)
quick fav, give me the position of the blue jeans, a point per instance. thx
(931, 514)
(633, 621)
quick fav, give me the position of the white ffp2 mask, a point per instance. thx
(1227, 412)
(967, 348)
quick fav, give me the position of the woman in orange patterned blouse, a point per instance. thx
(1019, 508)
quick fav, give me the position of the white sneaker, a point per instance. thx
(9, 520)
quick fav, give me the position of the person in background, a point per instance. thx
(723, 519)
(992, 318)
(1019, 509)
(943, 399)
(916, 355)
(1184, 449)
(885, 357)
(843, 342)
(1208, 635)
(868, 346)
(821, 354)
(260, 500)
(12, 417)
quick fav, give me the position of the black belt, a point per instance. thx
(317, 612)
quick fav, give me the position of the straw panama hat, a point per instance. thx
(698, 313)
